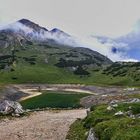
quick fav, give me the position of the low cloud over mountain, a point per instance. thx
(124, 48)
(33, 32)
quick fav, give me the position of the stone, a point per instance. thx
(15, 115)
(129, 113)
(130, 107)
(10, 107)
(88, 111)
(138, 115)
(91, 135)
(114, 102)
(120, 113)
(132, 116)
(115, 105)
(135, 100)
(46, 61)
(109, 108)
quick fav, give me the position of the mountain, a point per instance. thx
(30, 53)
(59, 32)
(10, 38)
(25, 32)
(32, 25)
(34, 33)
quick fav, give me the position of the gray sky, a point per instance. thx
(80, 17)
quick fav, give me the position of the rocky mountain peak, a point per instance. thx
(32, 25)
(59, 32)
(56, 30)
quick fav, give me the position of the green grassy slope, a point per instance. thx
(107, 126)
(37, 64)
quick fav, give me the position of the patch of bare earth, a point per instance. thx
(42, 125)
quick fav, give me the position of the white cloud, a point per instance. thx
(104, 49)
(16, 26)
(130, 60)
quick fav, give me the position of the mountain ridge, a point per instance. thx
(24, 44)
(31, 24)
(36, 33)
(27, 60)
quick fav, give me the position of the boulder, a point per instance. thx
(114, 102)
(91, 135)
(109, 108)
(120, 113)
(115, 105)
(10, 107)
(135, 100)
(138, 115)
(129, 113)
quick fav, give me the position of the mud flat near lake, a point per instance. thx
(41, 125)
(18, 92)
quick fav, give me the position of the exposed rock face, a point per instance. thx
(91, 135)
(10, 107)
(10, 38)
(32, 25)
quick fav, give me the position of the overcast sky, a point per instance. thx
(106, 17)
(77, 17)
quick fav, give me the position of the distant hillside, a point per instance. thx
(51, 59)
(130, 69)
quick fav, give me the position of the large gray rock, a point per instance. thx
(91, 135)
(10, 107)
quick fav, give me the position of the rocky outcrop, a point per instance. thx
(10, 107)
(12, 93)
(119, 113)
(91, 135)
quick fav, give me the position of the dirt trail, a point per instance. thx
(31, 93)
(42, 125)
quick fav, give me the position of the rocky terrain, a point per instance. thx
(99, 94)
(54, 125)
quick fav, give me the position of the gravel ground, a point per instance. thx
(42, 125)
